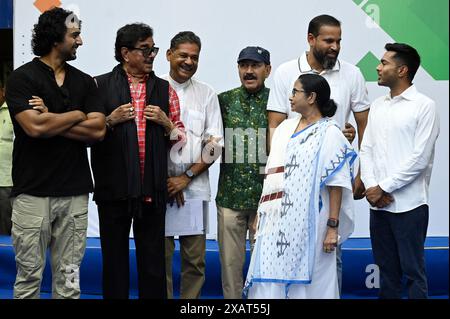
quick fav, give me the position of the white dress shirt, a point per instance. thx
(397, 150)
(200, 113)
(348, 88)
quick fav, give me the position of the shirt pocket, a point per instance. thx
(195, 122)
(6, 131)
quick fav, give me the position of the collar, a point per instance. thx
(4, 106)
(44, 66)
(409, 94)
(176, 85)
(304, 66)
(130, 80)
(248, 95)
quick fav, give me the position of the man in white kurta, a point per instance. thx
(188, 184)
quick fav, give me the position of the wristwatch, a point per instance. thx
(333, 223)
(189, 174)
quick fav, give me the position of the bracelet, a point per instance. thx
(108, 124)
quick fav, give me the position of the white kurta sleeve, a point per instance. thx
(214, 123)
(340, 176)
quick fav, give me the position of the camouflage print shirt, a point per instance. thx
(242, 168)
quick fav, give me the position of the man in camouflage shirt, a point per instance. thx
(242, 168)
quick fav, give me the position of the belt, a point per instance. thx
(270, 197)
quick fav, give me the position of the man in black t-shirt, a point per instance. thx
(55, 114)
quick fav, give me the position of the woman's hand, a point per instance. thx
(38, 104)
(331, 240)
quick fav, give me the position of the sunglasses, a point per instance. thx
(146, 52)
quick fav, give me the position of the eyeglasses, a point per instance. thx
(295, 91)
(146, 52)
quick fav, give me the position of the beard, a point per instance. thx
(326, 61)
(69, 55)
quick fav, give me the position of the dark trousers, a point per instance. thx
(149, 230)
(5, 211)
(398, 248)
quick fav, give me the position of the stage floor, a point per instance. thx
(357, 258)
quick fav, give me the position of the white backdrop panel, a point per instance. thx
(225, 27)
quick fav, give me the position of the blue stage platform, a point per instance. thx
(357, 256)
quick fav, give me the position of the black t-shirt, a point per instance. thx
(56, 166)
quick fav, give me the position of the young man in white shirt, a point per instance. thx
(188, 182)
(396, 161)
(348, 87)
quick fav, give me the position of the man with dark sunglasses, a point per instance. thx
(130, 165)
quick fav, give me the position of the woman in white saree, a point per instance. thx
(306, 206)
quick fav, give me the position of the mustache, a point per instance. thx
(187, 67)
(333, 51)
(250, 77)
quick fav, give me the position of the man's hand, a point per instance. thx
(179, 198)
(38, 104)
(349, 132)
(121, 114)
(177, 184)
(212, 150)
(155, 114)
(358, 188)
(384, 201)
(374, 194)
